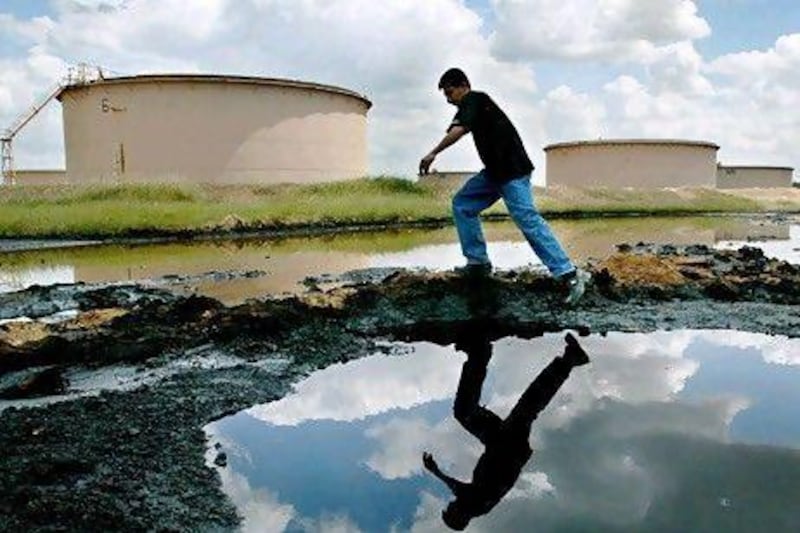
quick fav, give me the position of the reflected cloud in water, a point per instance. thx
(784, 249)
(505, 255)
(367, 387)
(51, 275)
(669, 431)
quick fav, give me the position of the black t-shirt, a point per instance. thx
(498, 143)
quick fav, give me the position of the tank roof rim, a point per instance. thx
(614, 142)
(765, 167)
(216, 78)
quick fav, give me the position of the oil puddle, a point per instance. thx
(667, 431)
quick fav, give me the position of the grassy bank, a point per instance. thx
(142, 210)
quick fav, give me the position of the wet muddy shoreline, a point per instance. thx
(135, 459)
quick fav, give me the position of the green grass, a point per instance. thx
(98, 211)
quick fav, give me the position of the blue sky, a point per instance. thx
(26, 8)
(747, 24)
(726, 71)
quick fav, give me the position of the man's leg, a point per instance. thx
(475, 195)
(518, 197)
(467, 410)
(544, 387)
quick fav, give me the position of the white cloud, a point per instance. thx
(531, 485)
(366, 387)
(34, 29)
(260, 509)
(6, 100)
(328, 523)
(591, 29)
(634, 367)
(126, 29)
(757, 88)
(676, 68)
(427, 516)
(572, 115)
(777, 350)
(778, 64)
(655, 21)
(394, 458)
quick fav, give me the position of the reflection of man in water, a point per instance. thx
(506, 440)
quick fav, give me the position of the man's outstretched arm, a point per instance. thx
(455, 485)
(453, 135)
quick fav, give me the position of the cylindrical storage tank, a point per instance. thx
(213, 129)
(639, 163)
(745, 177)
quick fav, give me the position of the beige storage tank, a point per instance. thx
(639, 163)
(745, 177)
(212, 129)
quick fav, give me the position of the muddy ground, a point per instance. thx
(133, 458)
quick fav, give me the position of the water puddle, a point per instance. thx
(785, 249)
(233, 271)
(668, 431)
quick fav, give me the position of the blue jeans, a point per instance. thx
(479, 193)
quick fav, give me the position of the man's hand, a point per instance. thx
(453, 135)
(430, 464)
(425, 163)
(456, 486)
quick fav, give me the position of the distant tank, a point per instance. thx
(640, 163)
(743, 177)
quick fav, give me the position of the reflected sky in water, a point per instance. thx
(668, 431)
(784, 249)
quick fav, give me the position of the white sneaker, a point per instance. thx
(577, 286)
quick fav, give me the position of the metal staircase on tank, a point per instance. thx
(79, 75)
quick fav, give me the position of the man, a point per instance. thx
(506, 440)
(506, 174)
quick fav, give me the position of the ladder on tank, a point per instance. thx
(80, 75)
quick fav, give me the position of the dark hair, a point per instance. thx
(454, 77)
(455, 517)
